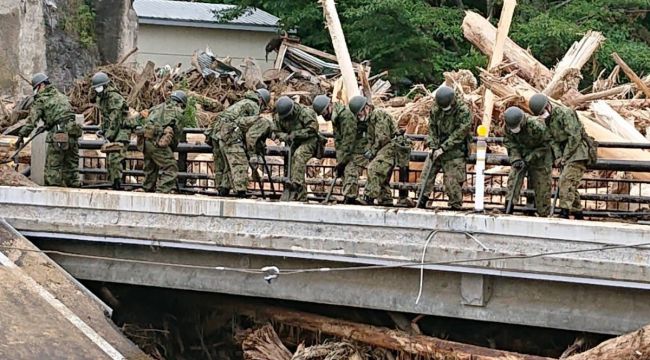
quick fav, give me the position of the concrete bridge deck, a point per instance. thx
(576, 275)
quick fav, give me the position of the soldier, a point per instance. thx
(527, 141)
(53, 108)
(230, 161)
(297, 126)
(114, 128)
(160, 137)
(449, 127)
(572, 149)
(351, 141)
(387, 148)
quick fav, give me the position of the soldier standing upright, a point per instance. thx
(387, 148)
(160, 138)
(572, 148)
(114, 128)
(297, 126)
(351, 142)
(529, 150)
(53, 108)
(230, 162)
(449, 128)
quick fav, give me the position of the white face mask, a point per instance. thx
(516, 130)
(36, 91)
(445, 109)
(545, 114)
(99, 89)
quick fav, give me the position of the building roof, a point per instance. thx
(194, 14)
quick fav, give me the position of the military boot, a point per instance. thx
(564, 213)
(117, 184)
(422, 203)
(385, 202)
(223, 191)
(508, 209)
(241, 194)
(350, 201)
(578, 215)
(405, 202)
(367, 200)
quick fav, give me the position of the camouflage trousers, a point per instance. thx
(157, 159)
(539, 180)
(454, 175)
(380, 170)
(299, 157)
(115, 166)
(221, 174)
(351, 176)
(569, 197)
(62, 166)
(236, 164)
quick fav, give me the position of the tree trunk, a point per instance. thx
(482, 34)
(632, 75)
(633, 346)
(264, 344)
(432, 348)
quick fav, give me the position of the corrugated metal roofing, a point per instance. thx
(198, 12)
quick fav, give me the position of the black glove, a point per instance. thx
(340, 169)
(518, 164)
(19, 142)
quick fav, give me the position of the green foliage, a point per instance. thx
(417, 40)
(189, 115)
(81, 24)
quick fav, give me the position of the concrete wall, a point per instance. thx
(115, 26)
(173, 44)
(22, 44)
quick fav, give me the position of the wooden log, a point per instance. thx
(579, 100)
(632, 346)
(340, 48)
(365, 83)
(632, 75)
(629, 103)
(616, 123)
(497, 57)
(145, 76)
(577, 56)
(428, 347)
(264, 344)
(482, 34)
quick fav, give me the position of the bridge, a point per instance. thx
(577, 275)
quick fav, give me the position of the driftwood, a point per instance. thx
(632, 346)
(432, 348)
(642, 86)
(146, 75)
(616, 123)
(264, 344)
(567, 70)
(482, 34)
(579, 100)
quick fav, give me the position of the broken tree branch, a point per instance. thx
(640, 84)
(635, 345)
(264, 344)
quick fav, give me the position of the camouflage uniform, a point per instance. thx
(448, 131)
(302, 125)
(62, 159)
(157, 156)
(230, 163)
(387, 150)
(532, 146)
(114, 113)
(351, 141)
(566, 132)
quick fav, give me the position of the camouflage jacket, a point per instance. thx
(302, 123)
(163, 115)
(450, 130)
(248, 106)
(566, 132)
(255, 130)
(114, 114)
(53, 108)
(381, 130)
(350, 135)
(532, 143)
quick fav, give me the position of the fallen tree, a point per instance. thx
(632, 346)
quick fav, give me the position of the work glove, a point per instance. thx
(100, 134)
(518, 164)
(368, 155)
(144, 113)
(280, 136)
(436, 154)
(291, 137)
(340, 169)
(19, 142)
(139, 131)
(559, 162)
(166, 139)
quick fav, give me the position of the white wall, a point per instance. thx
(173, 44)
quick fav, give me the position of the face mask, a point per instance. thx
(445, 109)
(99, 89)
(545, 115)
(516, 130)
(36, 91)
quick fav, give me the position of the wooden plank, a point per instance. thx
(280, 58)
(640, 84)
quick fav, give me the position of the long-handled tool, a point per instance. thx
(517, 185)
(254, 172)
(286, 194)
(424, 179)
(268, 172)
(329, 193)
(556, 195)
(13, 157)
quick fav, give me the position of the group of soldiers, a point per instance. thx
(366, 138)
